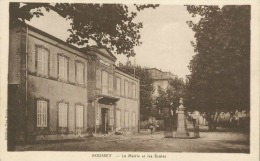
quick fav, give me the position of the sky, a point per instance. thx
(165, 35)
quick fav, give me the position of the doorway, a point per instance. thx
(104, 121)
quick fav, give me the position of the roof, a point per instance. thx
(104, 51)
(48, 35)
(154, 69)
(126, 72)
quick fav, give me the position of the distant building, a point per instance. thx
(56, 90)
(160, 78)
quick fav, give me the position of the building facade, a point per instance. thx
(160, 78)
(56, 90)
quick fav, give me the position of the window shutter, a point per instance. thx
(126, 89)
(80, 73)
(126, 119)
(66, 116)
(98, 78)
(134, 119)
(115, 83)
(104, 82)
(60, 115)
(122, 88)
(118, 118)
(110, 84)
(42, 61)
(63, 113)
(39, 61)
(118, 86)
(45, 63)
(66, 61)
(130, 90)
(79, 116)
(41, 114)
(134, 90)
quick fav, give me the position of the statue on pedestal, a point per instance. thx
(181, 125)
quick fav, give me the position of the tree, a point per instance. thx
(171, 95)
(111, 25)
(220, 70)
(146, 87)
(168, 99)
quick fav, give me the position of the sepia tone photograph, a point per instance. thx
(115, 77)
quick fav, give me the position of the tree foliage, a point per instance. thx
(220, 70)
(170, 97)
(146, 87)
(111, 25)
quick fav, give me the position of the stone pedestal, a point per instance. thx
(181, 126)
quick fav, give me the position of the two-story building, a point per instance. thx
(116, 98)
(160, 78)
(56, 90)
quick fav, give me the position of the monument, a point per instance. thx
(181, 124)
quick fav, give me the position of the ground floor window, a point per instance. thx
(79, 116)
(42, 113)
(126, 119)
(118, 118)
(63, 115)
(134, 119)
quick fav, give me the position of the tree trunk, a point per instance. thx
(210, 123)
(212, 120)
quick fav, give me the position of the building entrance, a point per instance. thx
(104, 120)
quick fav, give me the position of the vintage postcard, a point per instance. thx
(130, 80)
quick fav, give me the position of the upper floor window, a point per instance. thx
(126, 88)
(118, 86)
(42, 113)
(79, 73)
(134, 90)
(104, 80)
(130, 90)
(110, 83)
(42, 61)
(63, 67)
(98, 78)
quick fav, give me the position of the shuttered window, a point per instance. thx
(126, 88)
(118, 86)
(126, 119)
(130, 119)
(98, 78)
(104, 82)
(63, 68)
(63, 115)
(42, 113)
(79, 116)
(134, 119)
(79, 73)
(134, 90)
(123, 88)
(110, 83)
(130, 90)
(42, 61)
(118, 118)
